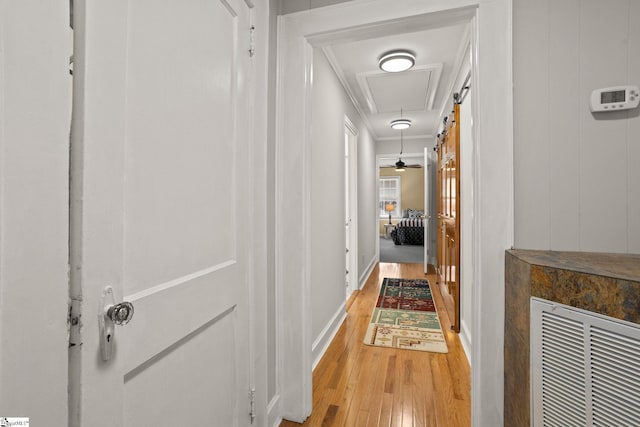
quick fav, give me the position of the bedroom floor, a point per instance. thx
(390, 252)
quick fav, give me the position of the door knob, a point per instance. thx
(109, 315)
(120, 314)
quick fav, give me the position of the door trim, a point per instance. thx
(35, 111)
(493, 177)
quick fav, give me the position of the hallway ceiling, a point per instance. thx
(421, 92)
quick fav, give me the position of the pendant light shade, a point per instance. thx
(397, 61)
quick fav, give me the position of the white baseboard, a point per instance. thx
(274, 417)
(321, 343)
(465, 340)
(367, 272)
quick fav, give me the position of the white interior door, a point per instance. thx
(347, 215)
(351, 256)
(161, 129)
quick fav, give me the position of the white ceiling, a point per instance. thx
(421, 92)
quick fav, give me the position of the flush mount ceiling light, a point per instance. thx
(396, 61)
(400, 124)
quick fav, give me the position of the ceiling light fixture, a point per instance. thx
(400, 124)
(397, 61)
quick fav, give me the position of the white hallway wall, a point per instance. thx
(329, 107)
(576, 174)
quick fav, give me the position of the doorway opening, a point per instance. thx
(401, 242)
(493, 178)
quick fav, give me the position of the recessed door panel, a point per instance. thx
(154, 393)
(180, 148)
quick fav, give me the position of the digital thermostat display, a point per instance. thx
(614, 98)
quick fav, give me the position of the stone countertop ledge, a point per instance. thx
(615, 266)
(604, 283)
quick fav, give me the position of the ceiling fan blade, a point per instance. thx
(406, 166)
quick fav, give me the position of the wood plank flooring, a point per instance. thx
(359, 385)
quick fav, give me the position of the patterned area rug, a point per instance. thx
(405, 317)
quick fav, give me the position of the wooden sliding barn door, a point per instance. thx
(448, 184)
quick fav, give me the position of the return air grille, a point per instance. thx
(585, 368)
(562, 372)
(615, 366)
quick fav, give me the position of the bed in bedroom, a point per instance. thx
(409, 231)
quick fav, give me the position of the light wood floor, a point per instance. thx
(359, 385)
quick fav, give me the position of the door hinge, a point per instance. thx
(252, 405)
(252, 40)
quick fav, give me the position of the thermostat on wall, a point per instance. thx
(614, 98)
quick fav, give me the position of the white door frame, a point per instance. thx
(493, 178)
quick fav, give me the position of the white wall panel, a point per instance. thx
(531, 150)
(564, 126)
(633, 132)
(575, 179)
(603, 175)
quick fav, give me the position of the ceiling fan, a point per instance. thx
(400, 164)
